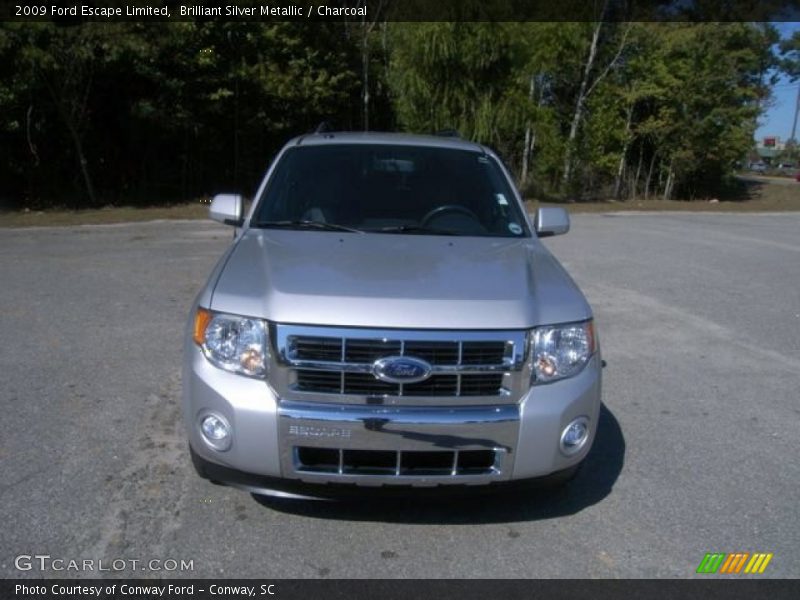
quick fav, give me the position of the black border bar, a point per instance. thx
(402, 10)
(407, 589)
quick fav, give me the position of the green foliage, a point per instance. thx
(790, 56)
(701, 115)
(454, 75)
(682, 97)
(160, 111)
(109, 112)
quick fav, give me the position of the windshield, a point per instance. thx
(390, 189)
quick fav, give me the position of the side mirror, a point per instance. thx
(227, 209)
(552, 220)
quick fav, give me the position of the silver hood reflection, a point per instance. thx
(396, 281)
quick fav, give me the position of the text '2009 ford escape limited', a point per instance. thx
(386, 317)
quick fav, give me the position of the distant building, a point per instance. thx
(771, 142)
(766, 150)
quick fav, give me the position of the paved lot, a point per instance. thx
(698, 451)
(787, 180)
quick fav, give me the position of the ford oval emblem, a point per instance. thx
(401, 369)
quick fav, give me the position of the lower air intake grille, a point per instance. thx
(387, 462)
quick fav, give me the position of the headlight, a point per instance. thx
(236, 344)
(561, 351)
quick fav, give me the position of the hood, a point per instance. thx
(396, 281)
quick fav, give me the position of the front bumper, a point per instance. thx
(279, 487)
(269, 432)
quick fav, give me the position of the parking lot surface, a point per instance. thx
(698, 449)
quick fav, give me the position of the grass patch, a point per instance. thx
(111, 214)
(752, 194)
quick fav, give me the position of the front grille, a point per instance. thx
(333, 382)
(326, 382)
(366, 384)
(338, 365)
(438, 353)
(367, 351)
(482, 353)
(318, 348)
(388, 462)
(481, 385)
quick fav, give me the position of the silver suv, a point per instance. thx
(387, 317)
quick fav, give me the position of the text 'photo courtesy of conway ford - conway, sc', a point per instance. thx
(386, 319)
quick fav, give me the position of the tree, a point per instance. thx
(588, 83)
(455, 75)
(703, 118)
(790, 64)
(63, 59)
(365, 31)
(544, 54)
(162, 111)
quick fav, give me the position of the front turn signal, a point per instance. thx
(201, 320)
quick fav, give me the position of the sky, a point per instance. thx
(778, 118)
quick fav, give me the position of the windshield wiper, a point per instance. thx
(303, 224)
(413, 229)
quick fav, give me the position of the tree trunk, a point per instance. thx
(649, 177)
(365, 82)
(185, 166)
(670, 182)
(31, 145)
(236, 133)
(579, 103)
(635, 188)
(87, 179)
(527, 147)
(78, 145)
(68, 117)
(621, 167)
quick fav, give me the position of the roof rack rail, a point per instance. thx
(448, 132)
(324, 127)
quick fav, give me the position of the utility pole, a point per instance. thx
(796, 110)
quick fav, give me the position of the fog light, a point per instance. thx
(575, 435)
(216, 431)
